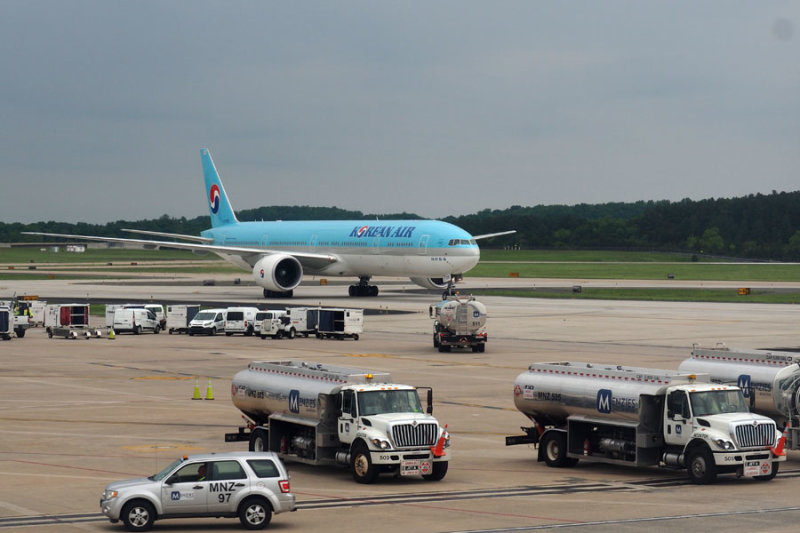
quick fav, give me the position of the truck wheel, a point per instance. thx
(213, 331)
(769, 476)
(435, 340)
(355, 336)
(138, 515)
(444, 348)
(157, 329)
(292, 333)
(481, 348)
(255, 513)
(361, 464)
(701, 467)
(20, 332)
(438, 473)
(258, 441)
(8, 337)
(137, 330)
(554, 447)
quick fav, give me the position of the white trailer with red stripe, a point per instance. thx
(644, 417)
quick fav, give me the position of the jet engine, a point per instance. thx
(278, 272)
(432, 283)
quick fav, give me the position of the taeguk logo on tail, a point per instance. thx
(214, 198)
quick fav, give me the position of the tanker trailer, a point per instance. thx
(459, 322)
(770, 381)
(317, 413)
(643, 417)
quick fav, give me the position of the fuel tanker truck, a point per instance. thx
(644, 417)
(459, 322)
(317, 413)
(770, 381)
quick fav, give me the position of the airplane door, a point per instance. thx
(265, 240)
(312, 245)
(423, 245)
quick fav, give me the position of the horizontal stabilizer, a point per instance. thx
(490, 235)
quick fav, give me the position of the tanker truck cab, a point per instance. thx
(323, 414)
(644, 417)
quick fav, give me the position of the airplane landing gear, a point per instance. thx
(363, 288)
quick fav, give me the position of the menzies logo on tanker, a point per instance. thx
(402, 232)
(294, 401)
(744, 383)
(604, 401)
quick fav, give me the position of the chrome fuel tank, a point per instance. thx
(550, 392)
(770, 380)
(293, 387)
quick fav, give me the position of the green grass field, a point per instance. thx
(527, 264)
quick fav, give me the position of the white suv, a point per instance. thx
(250, 485)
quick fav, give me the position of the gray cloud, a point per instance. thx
(438, 108)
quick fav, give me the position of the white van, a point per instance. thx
(208, 321)
(240, 320)
(156, 309)
(135, 320)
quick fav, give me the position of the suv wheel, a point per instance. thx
(255, 513)
(138, 516)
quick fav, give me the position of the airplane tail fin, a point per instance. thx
(219, 206)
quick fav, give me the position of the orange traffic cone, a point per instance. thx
(778, 450)
(438, 450)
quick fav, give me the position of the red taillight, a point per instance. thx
(284, 485)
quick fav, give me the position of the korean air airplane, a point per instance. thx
(432, 253)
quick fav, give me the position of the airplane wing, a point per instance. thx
(193, 238)
(250, 255)
(488, 235)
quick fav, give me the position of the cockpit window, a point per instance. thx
(462, 242)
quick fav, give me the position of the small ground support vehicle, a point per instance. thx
(459, 322)
(240, 320)
(135, 320)
(67, 320)
(208, 322)
(248, 485)
(179, 316)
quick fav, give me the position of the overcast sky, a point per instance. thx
(433, 107)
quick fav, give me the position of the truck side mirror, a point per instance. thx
(429, 410)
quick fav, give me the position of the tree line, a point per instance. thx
(757, 226)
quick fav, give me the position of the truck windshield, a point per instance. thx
(205, 315)
(718, 401)
(388, 401)
(161, 475)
